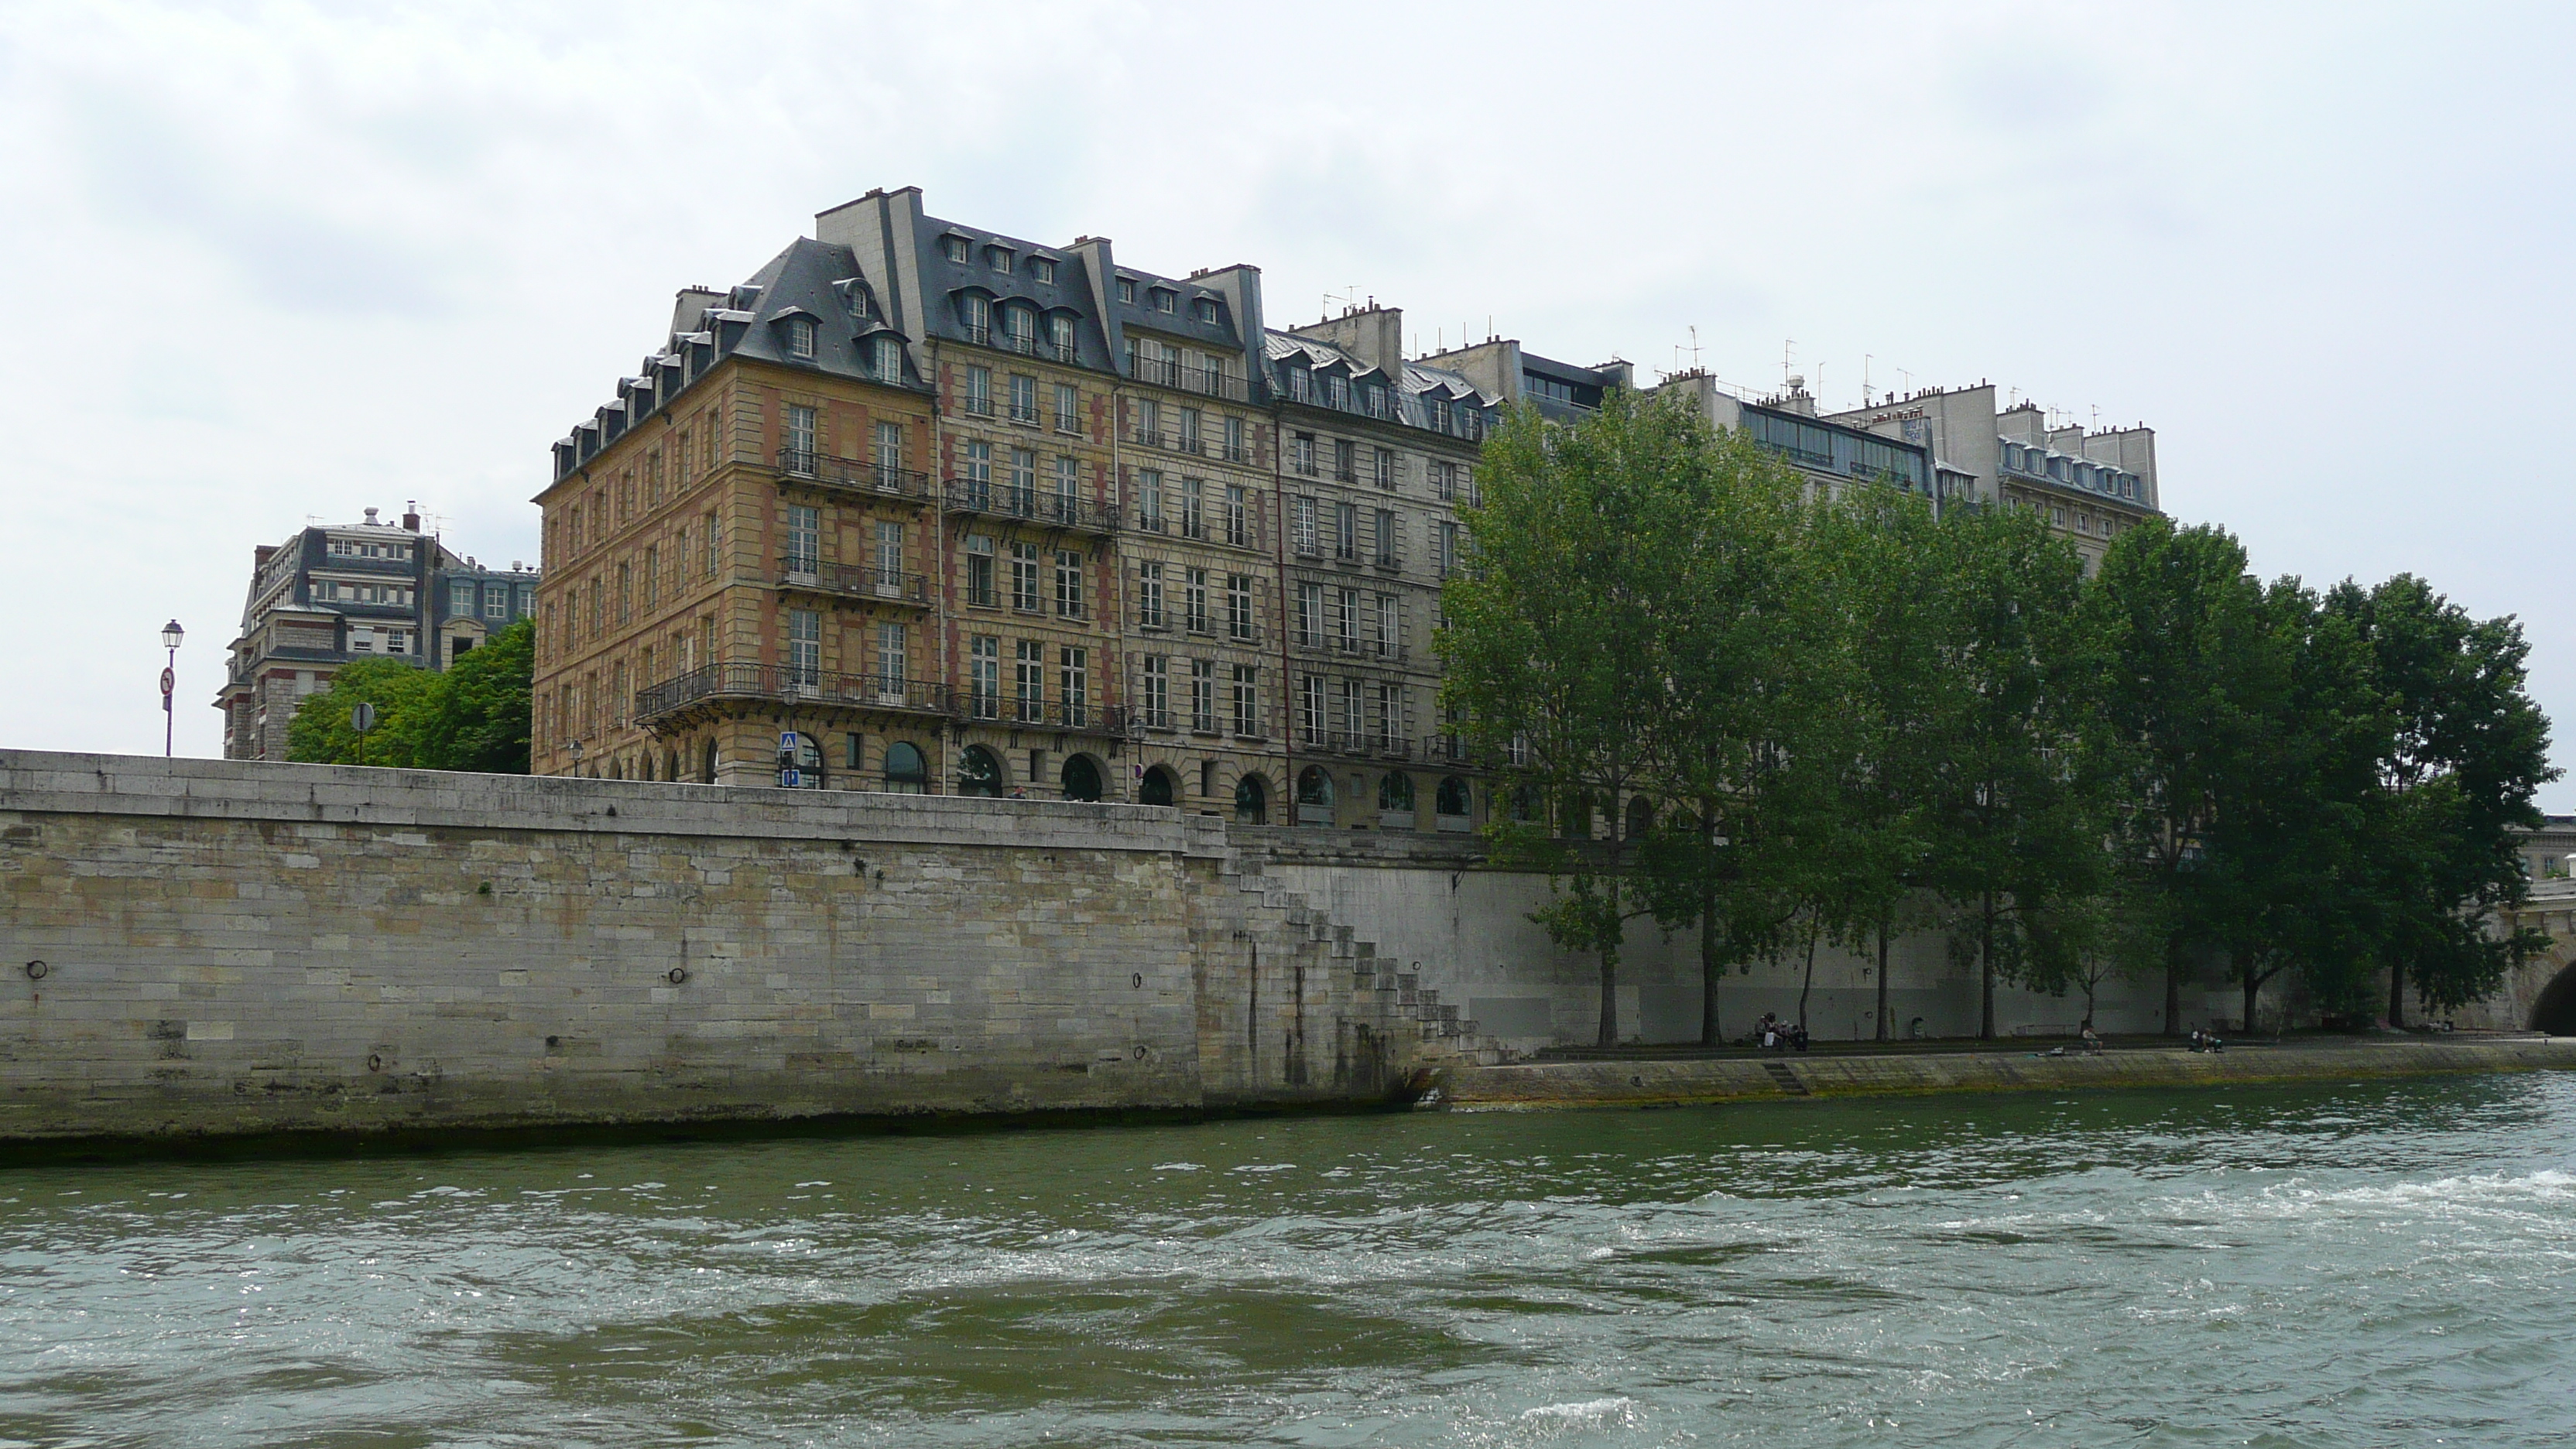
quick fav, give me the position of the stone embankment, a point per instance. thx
(1669, 1082)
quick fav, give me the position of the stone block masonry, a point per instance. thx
(202, 947)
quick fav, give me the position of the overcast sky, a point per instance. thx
(280, 262)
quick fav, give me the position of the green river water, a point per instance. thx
(2384, 1263)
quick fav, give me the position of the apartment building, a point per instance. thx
(2091, 484)
(335, 593)
(1377, 454)
(1831, 454)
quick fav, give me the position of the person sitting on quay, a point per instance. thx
(2092, 1043)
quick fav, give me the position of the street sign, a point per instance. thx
(169, 682)
(786, 741)
(792, 778)
(363, 718)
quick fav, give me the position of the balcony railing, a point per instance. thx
(1012, 712)
(853, 475)
(786, 684)
(1208, 381)
(1447, 750)
(1055, 510)
(858, 581)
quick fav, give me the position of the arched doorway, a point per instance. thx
(1452, 804)
(2556, 1011)
(1395, 795)
(707, 776)
(905, 771)
(1314, 796)
(1641, 817)
(1081, 778)
(979, 773)
(1251, 801)
(1157, 788)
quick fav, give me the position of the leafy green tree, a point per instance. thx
(1555, 643)
(2468, 752)
(474, 716)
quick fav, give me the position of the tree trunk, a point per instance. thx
(1882, 981)
(1709, 1035)
(1609, 996)
(2253, 990)
(2173, 988)
(2397, 994)
(1986, 969)
(1814, 929)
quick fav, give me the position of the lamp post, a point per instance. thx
(171, 634)
(576, 758)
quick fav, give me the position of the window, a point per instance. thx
(955, 247)
(1189, 434)
(804, 649)
(1154, 693)
(998, 258)
(1204, 309)
(1301, 453)
(1024, 399)
(975, 313)
(979, 570)
(889, 453)
(1194, 601)
(1149, 595)
(1387, 625)
(893, 663)
(460, 596)
(1238, 607)
(1386, 718)
(1068, 408)
(710, 530)
(979, 391)
(1238, 517)
(1346, 620)
(1310, 709)
(1042, 271)
(1166, 301)
(889, 554)
(984, 676)
(1247, 700)
(1345, 460)
(1310, 616)
(1203, 696)
(1235, 449)
(905, 772)
(496, 597)
(979, 474)
(1073, 664)
(886, 357)
(1030, 700)
(1148, 417)
(1346, 717)
(1060, 337)
(800, 439)
(1384, 541)
(1068, 584)
(625, 592)
(1338, 394)
(800, 337)
(804, 535)
(1021, 491)
(1149, 499)
(1346, 531)
(1068, 490)
(1302, 531)
(1127, 290)
(1444, 549)
(1024, 577)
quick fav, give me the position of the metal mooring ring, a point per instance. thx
(677, 974)
(36, 970)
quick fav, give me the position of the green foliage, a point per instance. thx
(472, 717)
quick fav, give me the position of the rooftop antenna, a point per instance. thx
(1864, 379)
(1694, 336)
(1906, 378)
(2097, 417)
(1788, 358)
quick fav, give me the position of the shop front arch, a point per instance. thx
(979, 773)
(906, 773)
(1314, 796)
(1252, 801)
(1158, 787)
(1081, 778)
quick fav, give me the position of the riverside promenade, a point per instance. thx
(1669, 1077)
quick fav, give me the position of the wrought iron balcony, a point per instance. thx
(1211, 380)
(786, 684)
(852, 475)
(1010, 711)
(857, 581)
(1054, 510)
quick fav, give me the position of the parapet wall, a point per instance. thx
(240, 947)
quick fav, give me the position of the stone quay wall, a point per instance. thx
(222, 947)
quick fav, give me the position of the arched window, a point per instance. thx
(1157, 788)
(1641, 817)
(1251, 801)
(1314, 796)
(805, 754)
(1452, 798)
(905, 772)
(1395, 793)
(707, 775)
(977, 313)
(1081, 778)
(979, 773)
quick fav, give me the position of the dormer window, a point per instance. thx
(1042, 271)
(998, 258)
(956, 248)
(977, 314)
(1127, 291)
(1060, 335)
(1166, 301)
(886, 357)
(1204, 309)
(800, 337)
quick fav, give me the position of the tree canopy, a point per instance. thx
(473, 716)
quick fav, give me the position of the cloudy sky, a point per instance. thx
(276, 261)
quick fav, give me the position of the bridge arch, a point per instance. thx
(2555, 1011)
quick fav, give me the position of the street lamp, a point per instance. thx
(171, 634)
(576, 758)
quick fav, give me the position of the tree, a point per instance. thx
(2468, 751)
(1555, 648)
(474, 716)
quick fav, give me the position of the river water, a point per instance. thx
(2369, 1264)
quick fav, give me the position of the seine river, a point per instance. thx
(2371, 1264)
